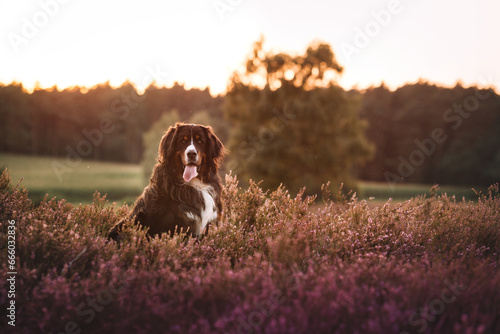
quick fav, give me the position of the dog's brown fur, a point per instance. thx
(169, 202)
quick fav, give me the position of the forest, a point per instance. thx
(297, 116)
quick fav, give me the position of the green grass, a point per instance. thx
(121, 182)
(124, 182)
(380, 191)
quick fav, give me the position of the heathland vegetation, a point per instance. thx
(274, 264)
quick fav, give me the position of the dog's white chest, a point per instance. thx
(209, 211)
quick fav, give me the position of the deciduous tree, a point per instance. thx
(291, 122)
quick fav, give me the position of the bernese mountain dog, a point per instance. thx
(184, 191)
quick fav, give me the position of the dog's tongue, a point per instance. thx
(189, 173)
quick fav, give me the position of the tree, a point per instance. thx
(291, 122)
(152, 140)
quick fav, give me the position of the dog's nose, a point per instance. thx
(191, 155)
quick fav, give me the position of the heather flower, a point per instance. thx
(274, 264)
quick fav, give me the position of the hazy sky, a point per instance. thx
(200, 42)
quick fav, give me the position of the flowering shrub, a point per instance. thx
(276, 263)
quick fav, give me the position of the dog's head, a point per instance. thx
(191, 150)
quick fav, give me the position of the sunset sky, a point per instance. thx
(200, 42)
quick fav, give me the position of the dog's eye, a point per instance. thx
(184, 139)
(198, 139)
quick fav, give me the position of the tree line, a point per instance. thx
(284, 120)
(103, 123)
(424, 133)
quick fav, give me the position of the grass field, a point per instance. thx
(124, 182)
(381, 191)
(121, 182)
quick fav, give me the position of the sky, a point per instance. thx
(201, 42)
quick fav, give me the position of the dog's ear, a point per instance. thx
(216, 149)
(166, 143)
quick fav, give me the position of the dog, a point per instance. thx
(185, 189)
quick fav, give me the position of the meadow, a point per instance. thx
(122, 183)
(275, 263)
